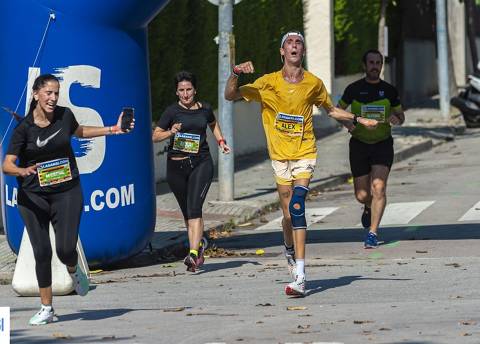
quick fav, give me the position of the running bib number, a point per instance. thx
(54, 172)
(374, 112)
(185, 142)
(291, 125)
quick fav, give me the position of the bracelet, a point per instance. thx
(236, 71)
(220, 142)
(110, 130)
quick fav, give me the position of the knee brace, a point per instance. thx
(297, 207)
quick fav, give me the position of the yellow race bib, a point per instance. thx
(292, 125)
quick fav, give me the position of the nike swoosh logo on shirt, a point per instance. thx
(41, 143)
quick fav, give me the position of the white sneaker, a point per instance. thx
(297, 287)
(42, 317)
(80, 281)
(292, 265)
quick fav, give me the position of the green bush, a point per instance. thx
(182, 36)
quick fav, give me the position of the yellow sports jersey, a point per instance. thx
(287, 113)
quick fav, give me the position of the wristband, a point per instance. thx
(110, 130)
(220, 142)
(355, 121)
(236, 71)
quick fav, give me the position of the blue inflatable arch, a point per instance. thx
(98, 49)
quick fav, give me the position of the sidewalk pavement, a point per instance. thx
(255, 189)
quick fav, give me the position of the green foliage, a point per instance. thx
(356, 30)
(182, 36)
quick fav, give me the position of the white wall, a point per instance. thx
(420, 70)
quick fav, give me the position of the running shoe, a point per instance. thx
(366, 217)
(191, 262)
(42, 317)
(297, 287)
(201, 251)
(292, 266)
(371, 240)
(80, 281)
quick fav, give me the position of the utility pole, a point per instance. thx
(225, 107)
(442, 63)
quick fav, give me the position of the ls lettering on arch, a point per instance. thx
(89, 153)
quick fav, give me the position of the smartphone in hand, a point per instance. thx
(127, 118)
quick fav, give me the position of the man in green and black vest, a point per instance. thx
(371, 150)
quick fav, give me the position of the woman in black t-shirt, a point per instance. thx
(49, 186)
(189, 164)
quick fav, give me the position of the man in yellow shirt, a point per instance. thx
(287, 98)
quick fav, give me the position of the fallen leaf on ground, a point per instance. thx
(108, 337)
(296, 308)
(61, 335)
(246, 224)
(358, 322)
(92, 272)
(259, 252)
(466, 334)
(174, 309)
(303, 327)
(384, 329)
(468, 322)
(268, 304)
(455, 265)
(419, 251)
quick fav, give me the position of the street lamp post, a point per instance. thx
(225, 108)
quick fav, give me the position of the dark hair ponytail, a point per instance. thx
(38, 84)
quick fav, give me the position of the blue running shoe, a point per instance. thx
(367, 217)
(371, 240)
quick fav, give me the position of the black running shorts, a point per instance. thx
(364, 155)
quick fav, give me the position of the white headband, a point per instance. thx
(291, 33)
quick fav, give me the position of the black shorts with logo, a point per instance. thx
(364, 155)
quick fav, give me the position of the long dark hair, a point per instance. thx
(185, 76)
(38, 84)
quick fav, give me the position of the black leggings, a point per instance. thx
(63, 210)
(189, 180)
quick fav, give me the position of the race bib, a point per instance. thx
(374, 112)
(54, 172)
(291, 125)
(185, 142)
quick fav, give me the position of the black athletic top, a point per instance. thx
(192, 138)
(34, 145)
(374, 101)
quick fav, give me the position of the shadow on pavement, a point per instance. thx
(25, 336)
(317, 286)
(210, 267)
(100, 314)
(386, 234)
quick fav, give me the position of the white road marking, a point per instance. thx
(473, 214)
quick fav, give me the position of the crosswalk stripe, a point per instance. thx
(313, 215)
(403, 212)
(473, 214)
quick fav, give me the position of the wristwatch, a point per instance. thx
(355, 122)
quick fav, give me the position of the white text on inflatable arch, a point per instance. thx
(112, 198)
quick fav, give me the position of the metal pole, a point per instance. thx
(225, 161)
(442, 64)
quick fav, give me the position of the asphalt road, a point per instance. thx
(420, 286)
